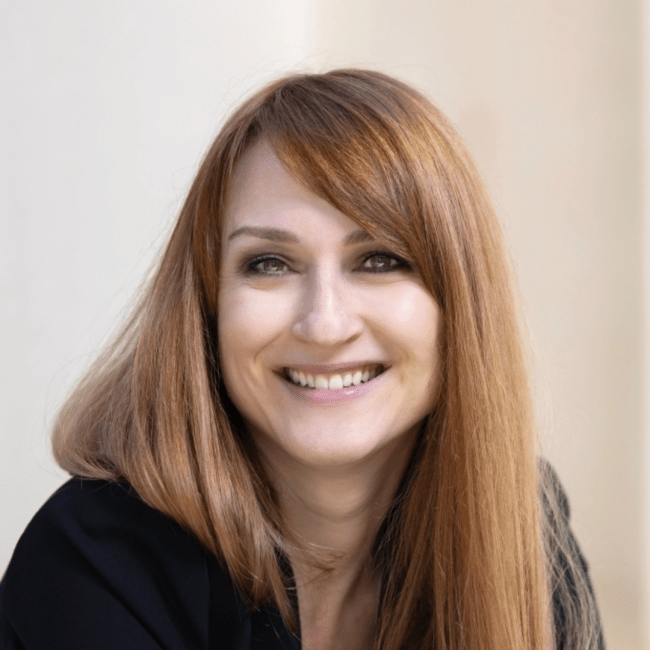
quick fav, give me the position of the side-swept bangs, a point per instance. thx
(382, 154)
(460, 554)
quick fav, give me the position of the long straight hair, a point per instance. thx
(462, 555)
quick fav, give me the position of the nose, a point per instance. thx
(327, 314)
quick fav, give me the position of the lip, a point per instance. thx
(329, 368)
(327, 397)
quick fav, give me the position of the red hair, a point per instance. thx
(462, 556)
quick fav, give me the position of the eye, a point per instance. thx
(268, 265)
(383, 262)
(375, 262)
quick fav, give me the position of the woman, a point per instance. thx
(317, 427)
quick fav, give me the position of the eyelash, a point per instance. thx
(250, 267)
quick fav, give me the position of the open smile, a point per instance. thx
(334, 381)
(318, 395)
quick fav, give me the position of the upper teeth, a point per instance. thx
(351, 377)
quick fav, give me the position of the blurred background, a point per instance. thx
(108, 107)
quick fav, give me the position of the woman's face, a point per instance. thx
(305, 294)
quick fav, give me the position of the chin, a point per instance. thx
(322, 449)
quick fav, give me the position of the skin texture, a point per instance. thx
(336, 466)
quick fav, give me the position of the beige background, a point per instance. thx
(108, 106)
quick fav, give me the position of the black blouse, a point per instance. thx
(98, 569)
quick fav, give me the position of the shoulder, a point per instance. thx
(552, 492)
(556, 511)
(574, 601)
(98, 515)
(98, 565)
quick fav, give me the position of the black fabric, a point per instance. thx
(97, 569)
(559, 603)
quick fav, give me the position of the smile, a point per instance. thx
(333, 381)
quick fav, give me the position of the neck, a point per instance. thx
(335, 516)
(332, 515)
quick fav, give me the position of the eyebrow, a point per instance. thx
(286, 236)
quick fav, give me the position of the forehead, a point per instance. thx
(260, 178)
(263, 193)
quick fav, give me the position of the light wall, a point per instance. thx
(106, 110)
(548, 97)
(645, 514)
(108, 107)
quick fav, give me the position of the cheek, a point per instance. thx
(416, 322)
(248, 321)
(415, 319)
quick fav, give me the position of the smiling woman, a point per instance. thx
(316, 430)
(320, 312)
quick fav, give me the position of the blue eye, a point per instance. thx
(272, 266)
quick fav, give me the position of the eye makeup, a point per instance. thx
(387, 262)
